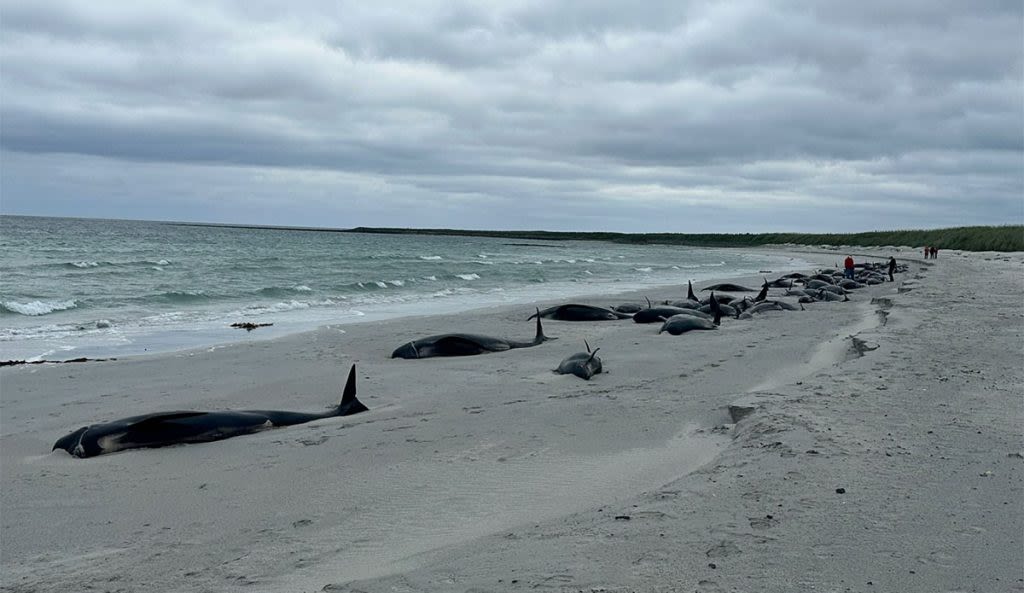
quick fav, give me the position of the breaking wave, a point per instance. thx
(36, 308)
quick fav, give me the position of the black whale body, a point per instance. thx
(576, 312)
(174, 428)
(582, 364)
(463, 345)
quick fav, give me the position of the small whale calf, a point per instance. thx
(175, 428)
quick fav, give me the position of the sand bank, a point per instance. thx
(491, 473)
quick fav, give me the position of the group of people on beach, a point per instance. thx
(931, 252)
(848, 266)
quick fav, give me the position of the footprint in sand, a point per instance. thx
(553, 581)
(723, 550)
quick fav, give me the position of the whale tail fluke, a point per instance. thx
(349, 404)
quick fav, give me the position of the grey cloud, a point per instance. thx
(573, 106)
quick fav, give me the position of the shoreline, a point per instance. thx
(171, 340)
(493, 473)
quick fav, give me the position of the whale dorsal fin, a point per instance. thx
(349, 404)
(540, 337)
(349, 394)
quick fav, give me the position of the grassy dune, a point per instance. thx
(975, 238)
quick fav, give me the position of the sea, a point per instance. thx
(72, 287)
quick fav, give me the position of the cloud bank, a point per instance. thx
(655, 116)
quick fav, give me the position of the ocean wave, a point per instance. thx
(87, 264)
(386, 283)
(431, 278)
(645, 269)
(430, 257)
(468, 276)
(56, 331)
(281, 291)
(36, 308)
(283, 306)
(183, 296)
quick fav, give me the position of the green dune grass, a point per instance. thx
(973, 238)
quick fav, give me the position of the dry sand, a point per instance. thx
(491, 473)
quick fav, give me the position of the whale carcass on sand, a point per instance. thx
(174, 428)
(582, 364)
(464, 344)
(574, 312)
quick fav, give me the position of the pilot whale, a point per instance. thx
(582, 364)
(575, 312)
(464, 344)
(174, 428)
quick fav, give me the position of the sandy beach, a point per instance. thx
(882, 450)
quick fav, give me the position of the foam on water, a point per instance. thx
(36, 308)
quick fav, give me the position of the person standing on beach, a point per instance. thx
(935, 252)
(927, 250)
(892, 268)
(848, 267)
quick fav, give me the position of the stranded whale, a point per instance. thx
(463, 344)
(175, 428)
(582, 364)
(575, 312)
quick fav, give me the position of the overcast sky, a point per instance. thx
(670, 116)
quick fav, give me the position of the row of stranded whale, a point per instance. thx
(676, 317)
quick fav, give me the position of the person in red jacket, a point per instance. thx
(848, 267)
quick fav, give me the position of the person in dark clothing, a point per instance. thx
(935, 252)
(927, 250)
(892, 268)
